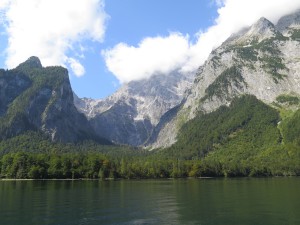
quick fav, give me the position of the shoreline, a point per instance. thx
(119, 179)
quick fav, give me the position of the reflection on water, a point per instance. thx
(212, 201)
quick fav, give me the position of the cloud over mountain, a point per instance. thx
(51, 29)
(177, 52)
(151, 56)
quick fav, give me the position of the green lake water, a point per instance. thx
(191, 201)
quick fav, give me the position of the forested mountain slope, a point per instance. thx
(41, 99)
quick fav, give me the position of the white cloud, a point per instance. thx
(3, 4)
(76, 67)
(153, 55)
(51, 29)
(233, 16)
(165, 54)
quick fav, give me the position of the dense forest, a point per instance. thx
(247, 138)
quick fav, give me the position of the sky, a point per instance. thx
(106, 43)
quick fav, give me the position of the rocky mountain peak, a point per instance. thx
(262, 26)
(259, 31)
(129, 115)
(31, 63)
(288, 22)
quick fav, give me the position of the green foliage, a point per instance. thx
(269, 45)
(49, 78)
(38, 98)
(240, 140)
(272, 64)
(288, 99)
(247, 53)
(291, 129)
(90, 165)
(246, 123)
(295, 35)
(36, 142)
(229, 77)
(271, 60)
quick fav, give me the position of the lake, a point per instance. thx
(183, 201)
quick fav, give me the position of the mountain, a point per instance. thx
(261, 60)
(240, 116)
(130, 115)
(37, 98)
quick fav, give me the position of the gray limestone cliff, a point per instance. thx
(130, 115)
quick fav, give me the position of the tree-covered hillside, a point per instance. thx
(247, 138)
(246, 124)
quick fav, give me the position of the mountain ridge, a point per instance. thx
(130, 115)
(265, 67)
(41, 99)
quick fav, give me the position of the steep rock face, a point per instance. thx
(10, 88)
(289, 23)
(262, 60)
(129, 115)
(41, 99)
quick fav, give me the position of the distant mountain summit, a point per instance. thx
(37, 98)
(259, 31)
(289, 23)
(130, 115)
